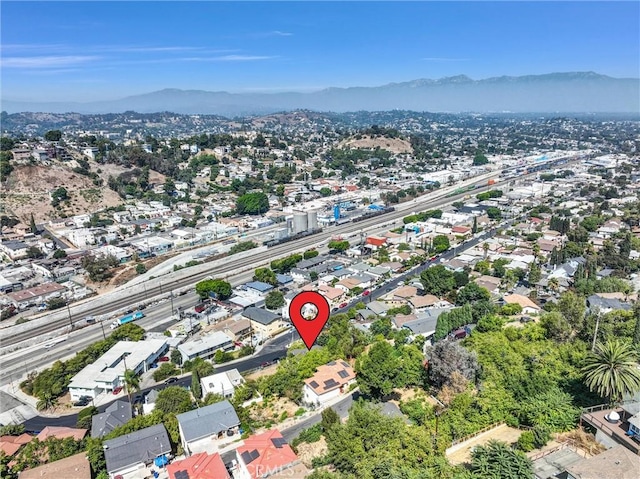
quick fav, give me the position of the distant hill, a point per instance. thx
(576, 92)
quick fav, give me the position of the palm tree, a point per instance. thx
(131, 382)
(485, 248)
(46, 401)
(612, 370)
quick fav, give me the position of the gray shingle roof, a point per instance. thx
(260, 315)
(141, 446)
(115, 415)
(208, 421)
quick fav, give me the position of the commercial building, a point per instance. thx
(107, 372)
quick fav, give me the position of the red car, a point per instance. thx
(163, 359)
(200, 308)
(366, 293)
(117, 390)
(343, 305)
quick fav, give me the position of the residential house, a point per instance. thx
(528, 306)
(238, 329)
(36, 294)
(425, 322)
(263, 322)
(12, 444)
(420, 303)
(606, 304)
(268, 455)
(615, 463)
(60, 432)
(206, 346)
(374, 242)
(13, 250)
(330, 381)
(199, 466)
(258, 288)
(116, 414)
(134, 451)
(206, 428)
(150, 401)
(490, 283)
(72, 467)
(224, 383)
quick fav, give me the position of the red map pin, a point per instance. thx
(309, 312)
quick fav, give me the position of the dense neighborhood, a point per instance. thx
(482, 275)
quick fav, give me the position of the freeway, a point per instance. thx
(12, 335)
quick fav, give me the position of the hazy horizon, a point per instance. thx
(94, 51)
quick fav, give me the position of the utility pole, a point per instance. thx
(171, 298)
(102, 326)
(69, 312)
(595, 333)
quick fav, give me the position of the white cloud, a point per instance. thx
(45, 61)
(278, 33)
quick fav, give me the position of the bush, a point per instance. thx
(166, 370)
(526, 441)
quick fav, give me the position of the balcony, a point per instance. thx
(600, 417)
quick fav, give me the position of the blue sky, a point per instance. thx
(83, 51)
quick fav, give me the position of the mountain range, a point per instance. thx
(574, 92)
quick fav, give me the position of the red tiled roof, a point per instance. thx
(372, 240)
(61, 433)
(200, 466)
(460, 229)
(270, 458)
(10, 444)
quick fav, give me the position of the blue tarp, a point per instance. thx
(161, 461)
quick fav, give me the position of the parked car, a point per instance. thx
(117, 390)
(366, 292)
(163, 359)
(171, 380)
(526, 319)
(90, 319)
(83, 401)
(343, 305)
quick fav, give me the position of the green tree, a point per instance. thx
(494, 213)
(339, 246)
(196, 387)
(141, 268)
(252, 204)
(176, 357)
(166, 370)
(266, 276)
(498, 460)
(440, 244)
(330, 418)
(636, 329)
(377, 370)
(221, 288)
(174, 400)
(274, 300)
(32, 225)
(472, 293)
(59, 254)
(84, 417)
(446, 357)
(573, 308)
(611, 370)
(5, 165)
(53, 135)
(438, 280)
(480, 159)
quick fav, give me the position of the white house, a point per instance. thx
(330, 381)
(223, 384)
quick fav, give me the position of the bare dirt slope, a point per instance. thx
(394, 145)
(28, 187)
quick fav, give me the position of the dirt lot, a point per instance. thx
(502, 433)
(268, 371)
(308, 451)
(394, 145)
(273, 410)
(27, 191)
